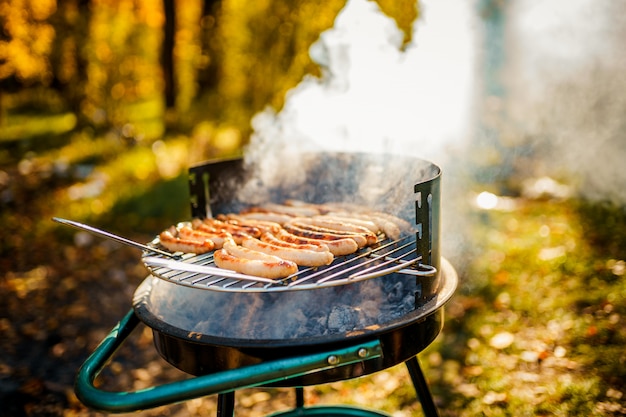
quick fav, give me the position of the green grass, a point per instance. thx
(19, 127)
(550, 293)
(537, 326)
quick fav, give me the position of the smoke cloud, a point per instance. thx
(565, 93)
(560, 96)
(375, 97)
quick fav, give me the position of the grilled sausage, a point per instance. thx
(346, 217)
(389, 228)
(232, 228)
(315, 232)
(218, 238)
(173, 242)
(339, 227)
(271, 238)
(245, 253)
(337, 247)
(392, 223)
(299, 256)
(235, 234)
(392, 226)
(279, 218)
(259, 268)
(262, 225)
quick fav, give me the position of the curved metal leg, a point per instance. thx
(299, 397)
(421, 387)
(226, 404)
(224, 382)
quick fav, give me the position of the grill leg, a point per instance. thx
(421, 387)
(299, 397)
(226, 404)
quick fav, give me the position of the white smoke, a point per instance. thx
(566, 91)
(562, 78)
(375, 96)
(372, 95)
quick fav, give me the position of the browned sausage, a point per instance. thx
(315, 232)
(263, 269)
(274, 240)
(342, 227)
(346, 217)
(218, 238)
(232, 228)
(299, 256)
(337, 247)
(262, 225)
(236, 234)
(171, 241)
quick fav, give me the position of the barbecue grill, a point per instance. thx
(363, 313)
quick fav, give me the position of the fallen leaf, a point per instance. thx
(502, 340)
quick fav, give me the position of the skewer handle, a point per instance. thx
(108, 235)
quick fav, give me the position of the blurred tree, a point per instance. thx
(404, 12)
(167, 53)
(67, 57)
(25, 43)
(252, 53)
(26, 40)
(209, 47)
(122, 53)
(187, 59)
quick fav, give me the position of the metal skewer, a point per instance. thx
(154, 262)
(112, 236)
(172, 263)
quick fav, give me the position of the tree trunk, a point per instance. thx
(207, 76)
(69, 64)
(167, 53)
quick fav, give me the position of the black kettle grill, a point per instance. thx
(363, 313)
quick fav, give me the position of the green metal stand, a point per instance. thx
(222, 383)
(333, 411)
(421, 388)
(226, 382)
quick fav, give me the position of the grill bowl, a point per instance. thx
(199, 353)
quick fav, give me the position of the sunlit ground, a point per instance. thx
(535, 328)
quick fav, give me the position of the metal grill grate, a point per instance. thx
(385, 257)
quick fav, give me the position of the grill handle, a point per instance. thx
(217, 383)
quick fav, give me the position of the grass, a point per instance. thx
(537, 326)
(544, 334)
(41, 125)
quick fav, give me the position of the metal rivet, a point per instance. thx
(362, 353)
(333, 360)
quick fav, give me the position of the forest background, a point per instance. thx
(104, 104)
